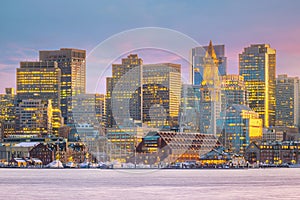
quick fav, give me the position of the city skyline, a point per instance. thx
(272, 24)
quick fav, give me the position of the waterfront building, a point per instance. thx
(9, 151)
(170, 147)
(197, 62)
(161, 94)
(257, 64)
(72, 63)
(241, 127)
(122, 141)
(287, 101)
(48, 152)
(274, 152)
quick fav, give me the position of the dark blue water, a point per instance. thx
(149, 184)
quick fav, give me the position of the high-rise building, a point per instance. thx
(124, 97)
(190, 108)
(88, 109)
(34, 117)
(197, 62)
(72, 63)
(39, 80)
(233, 91)
(242, 126)
(287, 101)
(257, 64)
(210, 93)
(7, 113)
(161, 94)
(100, 109)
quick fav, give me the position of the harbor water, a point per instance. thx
(280, 183)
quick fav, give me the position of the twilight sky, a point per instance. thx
(32, 25)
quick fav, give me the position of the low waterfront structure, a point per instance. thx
(274, 152)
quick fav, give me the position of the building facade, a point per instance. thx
(33, 117)
(287, 101)
(257, 64)
(242, 126)
(39, 80)
(233, 91)
(190, 108)
(72, 63)
(123, 94)
(197, 62)
(161, 94)
(210, 93)
(7, 113)
(277, 153)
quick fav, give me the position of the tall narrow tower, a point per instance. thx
(210, 100)
(257, 64)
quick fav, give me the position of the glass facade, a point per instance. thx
(39, 80)
(72, 63)
(123, 93)
(161, 94)
(233, 91)
(287, 101)
(242, 126)
(257, 64)
(197, 62)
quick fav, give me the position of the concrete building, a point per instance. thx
(287, 101)
(72, 63)
(257, 64)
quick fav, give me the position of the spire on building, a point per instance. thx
(210, 53)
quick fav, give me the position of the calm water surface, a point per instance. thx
(149, 184)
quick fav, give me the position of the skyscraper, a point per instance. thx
(39, 80)
(7, 113)
(33, 117)
(190, 108)
(242, 126)
(72, 63)
(124, 97)
(233, 91)
(197, 62)
(257, 64)
(287, 101)
(161, 94)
